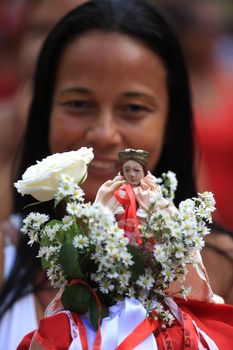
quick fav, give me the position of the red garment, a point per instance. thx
(216, 320)
(26, 341)
(53, 333)
(129, 203)
(214, 136)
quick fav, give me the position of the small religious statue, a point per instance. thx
(130, 193)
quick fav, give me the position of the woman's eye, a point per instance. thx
(79, 105)
(134, 109)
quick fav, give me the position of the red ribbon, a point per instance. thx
(190, 333)
(129, 204)
(141, 332)
(166, 339)
(82, 330)
(149, 326)
(83, 333)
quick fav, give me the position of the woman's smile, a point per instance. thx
(104, 167)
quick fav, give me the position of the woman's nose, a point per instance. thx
(104, 132)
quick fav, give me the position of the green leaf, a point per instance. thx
(45, 263)
(82, 179)
(94, 313)
(69, 260)
(53, 222)
(138, 268)
(88, 265)
(76, 298)
(33, 204)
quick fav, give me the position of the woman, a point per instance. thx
(93, 88)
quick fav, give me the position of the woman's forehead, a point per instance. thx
(115, 60)
(107, 45)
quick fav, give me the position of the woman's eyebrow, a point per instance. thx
(80, 89)
(135, 94)
(139, 94)
(147, 97)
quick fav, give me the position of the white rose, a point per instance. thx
(41, 180)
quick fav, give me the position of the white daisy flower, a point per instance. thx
(145, 281)
(77, 194)
(80, 242)
(75, 209)
(51, 231)
(67, 222)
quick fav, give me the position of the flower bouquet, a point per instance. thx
(90, 256)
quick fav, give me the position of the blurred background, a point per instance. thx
(24, 24)
(205, 29)
(12, 24)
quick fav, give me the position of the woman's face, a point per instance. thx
(133, 172)
(111, 94)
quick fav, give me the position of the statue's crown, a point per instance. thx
(136, 154)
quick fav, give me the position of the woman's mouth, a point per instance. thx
(102, 164)
(103, 167)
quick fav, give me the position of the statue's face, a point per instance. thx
(132, 172)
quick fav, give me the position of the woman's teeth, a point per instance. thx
(102, 165)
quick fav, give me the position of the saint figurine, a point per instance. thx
(130, 193)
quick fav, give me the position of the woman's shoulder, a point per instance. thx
(218, 257)
(220, 244)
